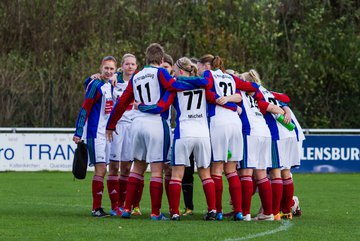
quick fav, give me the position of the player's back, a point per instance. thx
(191, 117)
(147, 89)
(224, 85)
(252, 119)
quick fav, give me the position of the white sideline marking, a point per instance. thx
(285, 225)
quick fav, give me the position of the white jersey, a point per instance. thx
(224, 85)
(118, 90)
(277, 130)
(191, 118)
(147, 90)
(253, 122)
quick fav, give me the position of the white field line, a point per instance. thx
(285, 225)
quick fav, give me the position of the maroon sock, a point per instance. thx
(254, 182)
(156, 191)
(138, 195)
(277, 192)
(235, 191)
(132, 188)
(247, 192)
(175, 193)
(167, 188)
(218, 192)
(123, 179)
(97, 191)
(288, 193)
(265, 195)
(113, 190)
(209, 190)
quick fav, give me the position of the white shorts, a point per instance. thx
(285, 153)
(121, 148)
(150, 139)
(199, 146)
(257, 152)
(98, 150)
(224, 139)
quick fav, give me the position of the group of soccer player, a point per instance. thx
(226, 122)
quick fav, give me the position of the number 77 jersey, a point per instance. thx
(191, 118)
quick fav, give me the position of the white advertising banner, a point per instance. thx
(34, 152)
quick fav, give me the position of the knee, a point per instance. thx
(286, 174)
(125, 168)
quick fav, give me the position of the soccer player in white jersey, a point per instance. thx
(285, 152)
(257, 154)
(225, 130)
(191, 135)
(150, 132)
(95, 112)
(121, 148)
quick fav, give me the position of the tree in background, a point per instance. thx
(307, 49)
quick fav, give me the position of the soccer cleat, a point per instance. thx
(210, 216)
(188, 212)
(277, 217)
(238, 216)
(287, 216)
(158, 217)
(136, 211)
(219, 216)
(247, 217)
(116, 212)
(126, 213)
(99, 213)
(263, 217)
(175, 217)
(295, 209)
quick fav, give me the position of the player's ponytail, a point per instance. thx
(217, 63)
(194, 70)
(246, 76)
(255, 76)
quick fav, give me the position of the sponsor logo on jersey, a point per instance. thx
(109, 106)
(148, 75)
(224, 76)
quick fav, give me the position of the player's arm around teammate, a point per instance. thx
(257, 153)
(150, 131)
(284, 149)
(191, 136)
(95, 110)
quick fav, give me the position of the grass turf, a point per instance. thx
(51, 206)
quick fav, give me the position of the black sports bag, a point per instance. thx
(80, 162)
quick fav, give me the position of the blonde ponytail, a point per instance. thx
(194, 70)
(255, 75)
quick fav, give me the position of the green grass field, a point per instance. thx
(51, 206)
